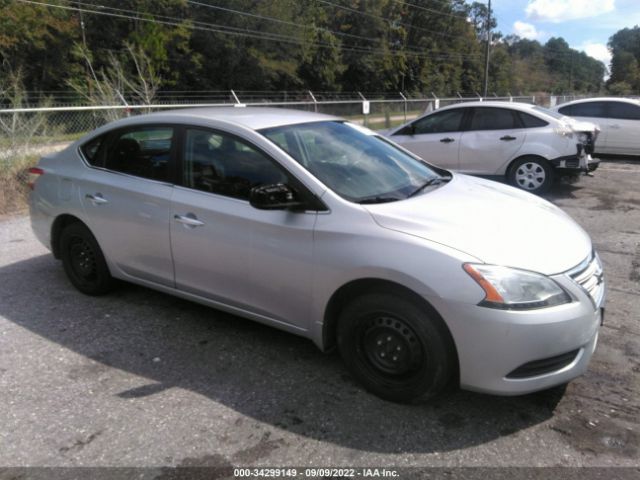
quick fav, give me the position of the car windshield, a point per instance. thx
(352, 161)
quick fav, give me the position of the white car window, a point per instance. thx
(486, 118)
(623, 111)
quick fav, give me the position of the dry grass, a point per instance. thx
(13, 187)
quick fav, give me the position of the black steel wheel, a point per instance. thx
(396, 347)
(83, 261)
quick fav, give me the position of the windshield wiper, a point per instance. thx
(378, 200)
(428, 183)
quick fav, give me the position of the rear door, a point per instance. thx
(623, 125)
(224, 249)
(435, 137)
(493, 136)
(126, 196)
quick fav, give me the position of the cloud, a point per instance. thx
(599, 51)
(526, 30)
(558, 11)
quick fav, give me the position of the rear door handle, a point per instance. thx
(507, 138)
(96, 198)
(189, 219)
(447, 140)
(615, 126)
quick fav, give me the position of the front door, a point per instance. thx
(434, 138)
(228, 251)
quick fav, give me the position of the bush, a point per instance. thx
(13, 186)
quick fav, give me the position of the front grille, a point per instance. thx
(590, 277)
(545, 365)
(572, 163)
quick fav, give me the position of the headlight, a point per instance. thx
(512, 289)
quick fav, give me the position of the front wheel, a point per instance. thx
(83, 261)
(395, 347)
(532, 174)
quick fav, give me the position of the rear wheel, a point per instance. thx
(83, 261)
(395, 347)
(533, 174)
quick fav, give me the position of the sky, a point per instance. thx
(586, 25)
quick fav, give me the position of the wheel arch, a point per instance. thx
(521, 157)
(58, 226)
(354, 288)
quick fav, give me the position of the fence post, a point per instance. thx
(510, 97)
(126, 110)
(365, 109)
(315, 102)
(436, 103)
(238, 103)
(404, 100)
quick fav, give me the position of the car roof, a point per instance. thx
(255, 118)
(491, 103)
(633, 101)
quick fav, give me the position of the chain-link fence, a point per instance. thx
(37, 131)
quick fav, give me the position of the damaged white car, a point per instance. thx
(529, 145)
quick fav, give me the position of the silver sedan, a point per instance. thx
(420, 276)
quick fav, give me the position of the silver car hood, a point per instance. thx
(493, 222)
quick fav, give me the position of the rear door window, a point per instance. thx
(143, 152)
(488, 118)
(624, 111)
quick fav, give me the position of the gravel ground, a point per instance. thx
(142, 379)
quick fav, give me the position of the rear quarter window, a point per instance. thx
(529, 121)
(91, 150)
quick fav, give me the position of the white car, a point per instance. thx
(618, 119)
(527, 144)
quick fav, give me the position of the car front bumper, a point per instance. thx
(510, 352)
(575, 164)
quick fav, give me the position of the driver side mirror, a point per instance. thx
(276, 196)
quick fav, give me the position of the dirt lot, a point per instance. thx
(143, 379)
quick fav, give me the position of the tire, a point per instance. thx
(395, 347)
(532, 174)
(83, 261)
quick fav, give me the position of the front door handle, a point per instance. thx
(507, 138)
(447, 140)
(189, 219)
(96, 199)
(615, 126)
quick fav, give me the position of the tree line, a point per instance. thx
(415, 47)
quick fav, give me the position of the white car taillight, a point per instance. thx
(32, 175)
